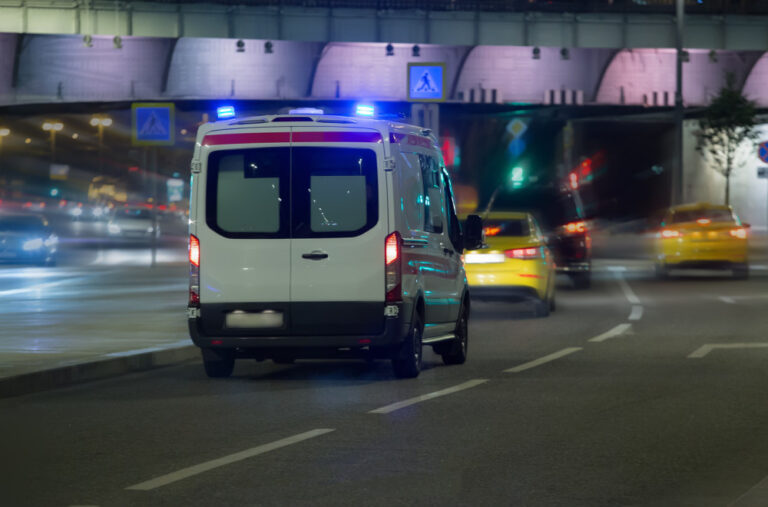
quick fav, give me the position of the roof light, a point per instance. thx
(225, 112)
(306, 110)
(364, 110)
(491, 231)
(703, 221)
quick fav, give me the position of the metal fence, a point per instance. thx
(712, 7)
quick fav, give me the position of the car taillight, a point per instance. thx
(740, 233)
(669, 233)
(194, 272)
(523, 253)
(575, 227)
(393, 268)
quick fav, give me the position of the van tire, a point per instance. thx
(455, 351)
(218, 363)
(406, 362)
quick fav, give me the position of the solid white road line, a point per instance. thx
(424, 397)
(611, 333)
(706, 349)
(542, 360)
(637, 312)
(628, 293)
(185, 473)
(727, 299)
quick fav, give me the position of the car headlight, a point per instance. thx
(150, 229)
(32, 244)
(51, 241)
(113, 228)
(97, 212)
(76, 212)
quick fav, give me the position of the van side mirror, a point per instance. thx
(473, 233)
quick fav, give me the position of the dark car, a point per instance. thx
(27, 239)
(560, 213)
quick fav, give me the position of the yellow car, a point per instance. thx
(702, 236)
(516, 265)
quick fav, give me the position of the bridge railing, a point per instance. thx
(712, 7)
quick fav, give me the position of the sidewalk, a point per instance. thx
(67, 325)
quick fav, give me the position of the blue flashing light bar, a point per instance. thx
(364, 110)
(225, 112)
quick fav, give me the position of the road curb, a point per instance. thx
(103, 368)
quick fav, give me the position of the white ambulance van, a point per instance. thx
(325, 236)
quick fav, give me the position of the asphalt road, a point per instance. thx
(609, 401)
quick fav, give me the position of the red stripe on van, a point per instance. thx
(409, 139)
(336, 137)
(252, 138)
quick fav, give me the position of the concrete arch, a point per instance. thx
(213, 68)
(364, 71)
(62, 68)
(521, 78)
(635, 75)
(755, 87)
(8, 44)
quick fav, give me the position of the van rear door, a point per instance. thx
(244, 227)
(339, 224)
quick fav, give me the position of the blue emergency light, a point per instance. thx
(225, 112)
(364, 110)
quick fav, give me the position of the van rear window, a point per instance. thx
(248, 192)
(297, 192)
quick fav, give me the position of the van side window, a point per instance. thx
(412, 193)
(430, 177)
(454, 227)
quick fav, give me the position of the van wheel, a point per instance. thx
(407, 360)
(218, 363)
(455, 351)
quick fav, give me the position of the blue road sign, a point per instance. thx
(153, 123)
(763, 152)
(426, 82)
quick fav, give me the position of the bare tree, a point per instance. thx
(728, 122)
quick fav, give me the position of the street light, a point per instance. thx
(100, 122)
(53, 127)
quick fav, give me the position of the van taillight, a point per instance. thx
(393, 268)
(194, 250)
(194, 272)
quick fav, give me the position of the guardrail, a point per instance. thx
(711, 7)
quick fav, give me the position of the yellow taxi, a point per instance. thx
(702, 236)
(515, 264)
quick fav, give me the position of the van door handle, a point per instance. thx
(316, 255)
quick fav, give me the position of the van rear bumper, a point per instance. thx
(391, 330)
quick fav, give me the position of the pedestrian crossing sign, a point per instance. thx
(426, 82)
(152, 123)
